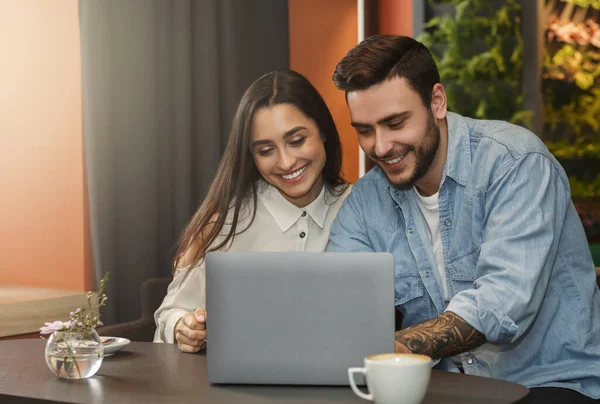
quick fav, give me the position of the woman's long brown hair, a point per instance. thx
(237, 178)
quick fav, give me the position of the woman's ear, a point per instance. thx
(439, 104)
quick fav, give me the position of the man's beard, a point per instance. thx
(424, 155)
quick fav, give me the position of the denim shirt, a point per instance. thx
(518, 266)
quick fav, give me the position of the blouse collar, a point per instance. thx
(285, 213)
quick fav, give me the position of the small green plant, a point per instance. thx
(68, 336)
(83, 320)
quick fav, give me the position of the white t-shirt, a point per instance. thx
(431, 211)
(278, 225)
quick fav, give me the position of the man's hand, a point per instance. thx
(440, 337)
(190, 331)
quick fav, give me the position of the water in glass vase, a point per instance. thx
(78, 366)
(74, 356)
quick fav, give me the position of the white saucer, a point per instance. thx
(114, 346)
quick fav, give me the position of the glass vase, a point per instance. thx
(74, 354)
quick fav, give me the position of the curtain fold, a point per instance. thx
(161, 81)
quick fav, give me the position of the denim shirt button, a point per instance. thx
(410, 230)
(427, 274)
(470, 361)
(448, 222)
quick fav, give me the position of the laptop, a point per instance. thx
(296, 318)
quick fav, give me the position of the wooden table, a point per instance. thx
(158, 373)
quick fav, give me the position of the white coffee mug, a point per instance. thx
(394, 378)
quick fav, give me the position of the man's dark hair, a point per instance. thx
(382, 57)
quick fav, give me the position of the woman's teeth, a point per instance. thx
(293, 175)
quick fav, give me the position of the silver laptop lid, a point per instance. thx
(296, 318)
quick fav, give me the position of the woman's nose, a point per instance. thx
(286, 161)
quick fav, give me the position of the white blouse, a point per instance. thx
(278, 225)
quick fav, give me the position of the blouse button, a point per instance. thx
(303, 213)
(302, 235)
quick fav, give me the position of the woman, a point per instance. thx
(278, 188)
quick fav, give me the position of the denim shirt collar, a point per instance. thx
(458, 157)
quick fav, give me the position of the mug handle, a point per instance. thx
(351, 372)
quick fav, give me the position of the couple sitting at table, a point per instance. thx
(493, 270)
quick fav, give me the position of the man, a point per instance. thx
(492, 266)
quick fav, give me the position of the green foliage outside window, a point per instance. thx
(478, 48)
(571, 92)
(566, 151)
(479, 53)
(585, 3)
(585, 188)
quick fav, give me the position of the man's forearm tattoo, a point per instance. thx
(440, 337)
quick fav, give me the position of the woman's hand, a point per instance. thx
(190, 331)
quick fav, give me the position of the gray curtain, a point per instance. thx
(161, 81)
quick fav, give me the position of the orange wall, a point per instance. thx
(395, 17)
(41, 153)
(321, 33)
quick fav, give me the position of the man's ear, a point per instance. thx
(439, 105)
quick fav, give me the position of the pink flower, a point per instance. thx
(55, 326)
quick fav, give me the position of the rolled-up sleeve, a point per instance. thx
(185, 294)
(524, 212)
(348, 231)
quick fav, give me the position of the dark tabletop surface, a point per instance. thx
(158, 373)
